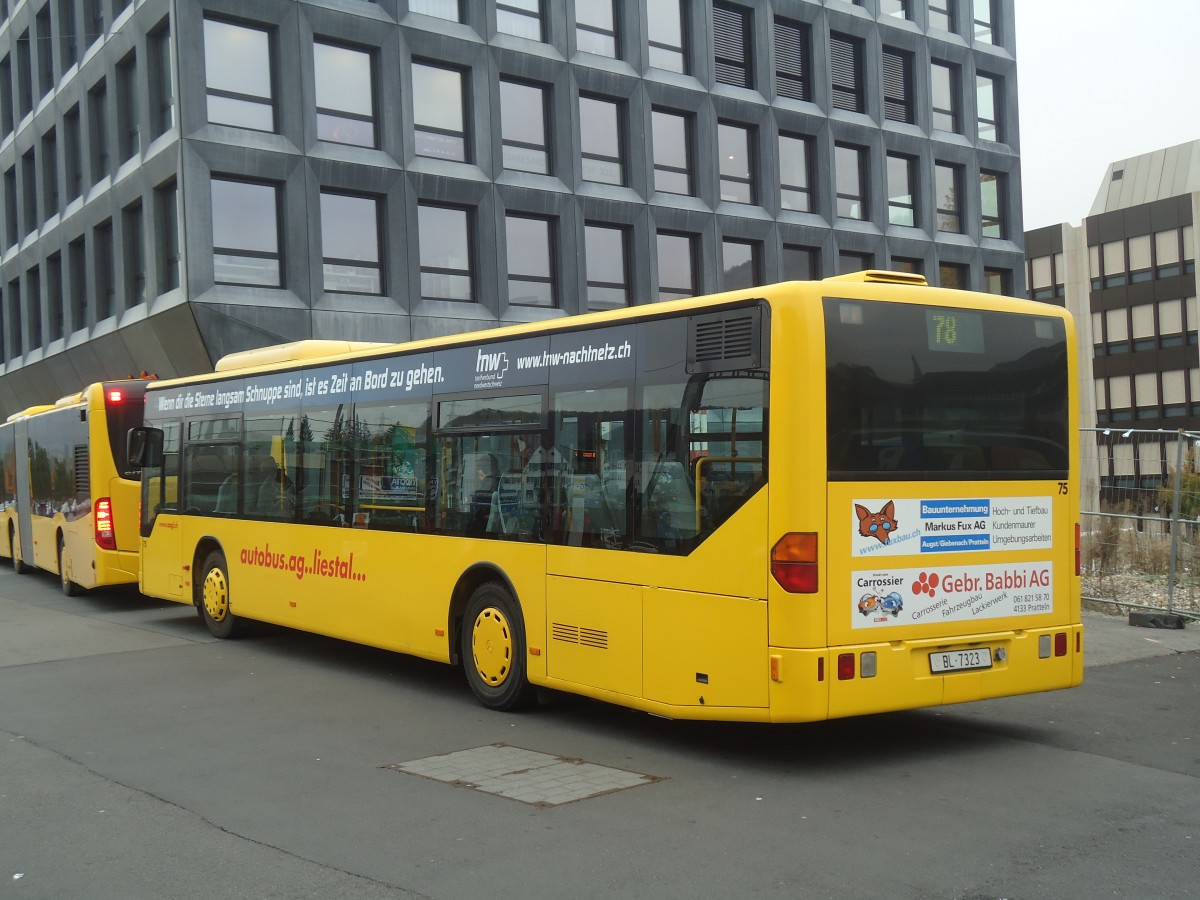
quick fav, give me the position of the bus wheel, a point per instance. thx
(214, 597)
(69, 587)
(493, 649)
(18, 564)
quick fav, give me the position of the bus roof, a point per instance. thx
(296, 351)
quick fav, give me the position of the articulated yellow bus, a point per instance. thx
(784, 504)
(70, 496)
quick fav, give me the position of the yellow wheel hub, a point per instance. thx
(216, 595)
(492, 646)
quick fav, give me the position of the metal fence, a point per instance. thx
(1139, 505)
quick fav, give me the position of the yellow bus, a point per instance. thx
(70, 496)
(788, 503)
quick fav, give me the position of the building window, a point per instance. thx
(947, 186)
(12, 231)
(162, 85)
(740, 262)
(665, 20)
(44, 41)
(128, 127)
(902, 183)
(897, 8)
(93, 21)
(997, 281)
(945, 97)
(897, 85)
(1166, 253)
(105, 269)
(166, 215)
(849, 261)
(6, 104)
(953, 275)
(55, 296)
(795, 173)
(941, 15)
(50, 173)
(439, 112)
(1114, 264)
(845, 61)
(98, 130)
(596, 28)
(1116, 330)
(987, 105)
(607, 264)
(72, 153)
(985, 18)
(671, 133)
(29, 192)
(601, 134)
(991, 202)
(523, 127)
(78, 288)
(14, 306)
(345, 95)
(350, 256)
(850, 167)
(446, 255)
(133, 238)
(735, 146)
(676, 266)
(1139, 259)
(732, 27)
(24, 76)
(443, 9)
(33, 281)
(798, 263)
(238, 67)
(793, 74)
(68, 46)
(245, 220)
(522, 18)
(530, 261)
(907, 264)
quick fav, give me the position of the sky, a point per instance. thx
(1099, 81)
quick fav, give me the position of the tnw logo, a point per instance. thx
(492, 363)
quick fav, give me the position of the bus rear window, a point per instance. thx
(944, 393)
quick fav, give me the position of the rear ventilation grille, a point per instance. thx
(725, 341)
(573, 634)
(82, 470)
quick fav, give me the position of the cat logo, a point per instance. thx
(878, 525)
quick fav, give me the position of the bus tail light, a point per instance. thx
(115, 396)
(845, 666)
(794, 562)
(106, 537)
(1060, 643)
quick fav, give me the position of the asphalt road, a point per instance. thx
(140, 758)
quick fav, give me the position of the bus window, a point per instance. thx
(207, 466)
(590, 489)
(666, 521)
(323, 463)
(268, 454)
(727, 445)
(390, 465)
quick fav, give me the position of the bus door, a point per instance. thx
(24, 551)
(160, 570)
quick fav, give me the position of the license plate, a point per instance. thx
(960, 660)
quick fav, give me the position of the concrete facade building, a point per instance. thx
(182, 179)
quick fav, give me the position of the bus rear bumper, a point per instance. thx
(858, 679)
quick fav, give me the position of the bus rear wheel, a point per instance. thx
(493, 649)
(212, 596)
(69, 587)
(18, 564)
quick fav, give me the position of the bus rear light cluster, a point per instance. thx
(1078, 557)
(106, 537)
(1056, 643)
(794, 562)
(867, 665)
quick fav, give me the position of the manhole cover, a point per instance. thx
(536, 778)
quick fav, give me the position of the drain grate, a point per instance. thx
(539, 779)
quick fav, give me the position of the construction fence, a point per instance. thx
(1140, 499)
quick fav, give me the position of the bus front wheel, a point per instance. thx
(493, 649)
(18, 564)
(69, 587)
(213, 596)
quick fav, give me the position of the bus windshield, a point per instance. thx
(944, 394)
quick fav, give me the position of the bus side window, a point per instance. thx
(207, 468)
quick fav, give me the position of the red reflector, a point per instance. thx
(820, 668)
(1060, 644)
(1078, 556)
(106, 537)
(796, 578)
(845, 666)
(115, 396)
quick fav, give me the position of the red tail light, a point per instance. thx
(794, 562)
(106, 536)
(1060, 643)
(115, 396)
(845, 666)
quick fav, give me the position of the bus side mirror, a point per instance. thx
(144, 447)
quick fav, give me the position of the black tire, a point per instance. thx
(493, 649)
(18, 564)
(70, 588)
(212, 596)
